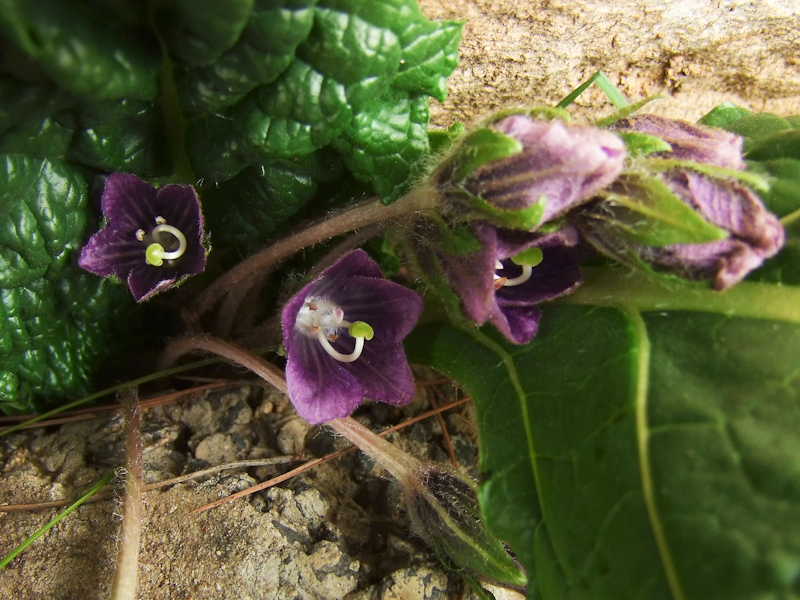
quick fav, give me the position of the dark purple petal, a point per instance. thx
(383, 373)
(564, 165)
(128, 203)
(180, 207)
(109, 253)
(320, 388)
(556, 275)
(147, 281)
(470, 275)
(390, 309)
(518, 324)
(689, 141)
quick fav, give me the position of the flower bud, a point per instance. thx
(521, 172)
(444, 511)
(726, 231)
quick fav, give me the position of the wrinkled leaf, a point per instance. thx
(55, 320)
(386, 141)
(645, 451)
(723, 115)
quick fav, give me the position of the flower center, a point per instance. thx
(527, 260)
(162, 235)
(325, 321)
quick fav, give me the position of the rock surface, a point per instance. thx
(698, 53)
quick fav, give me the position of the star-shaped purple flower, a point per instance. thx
(152, 238)
(504, 282)
(343, 334)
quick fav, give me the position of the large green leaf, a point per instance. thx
(644, 444)
(386, 142)
(56, 321)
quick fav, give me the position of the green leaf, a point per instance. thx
(198, 31)
(642, 144)
(757, 127)
(625, 447)
(723, 115)
(783, 195)
(126, 136)
(604, 83)
(648, 213)
(265, 49)
(386, 142)
(90, 56)
(478, 148)
(266, 198)
(784, 144)
(56, 321)
(430, 53)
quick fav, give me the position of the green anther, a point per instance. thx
(153, 254)
(530, 257)
(359, 329)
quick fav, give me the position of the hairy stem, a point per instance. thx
(206, 343)
(126, 575)
(247, 273)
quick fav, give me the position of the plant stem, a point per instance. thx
(249, 272)
(264, 369)
(126, 575)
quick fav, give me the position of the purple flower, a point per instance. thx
(754, 233)
(152, 238)
(560, 167)
(504, 282)
(342, 334)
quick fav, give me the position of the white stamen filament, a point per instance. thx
(527, 270)
(345, 358)
(178, 234)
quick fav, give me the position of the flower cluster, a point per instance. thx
(152, 238)
(750, 234)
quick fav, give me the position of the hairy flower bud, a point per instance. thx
(444, 511)
(727, 231)
(521, 172)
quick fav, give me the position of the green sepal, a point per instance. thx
(754, 180)
(451, 239)
(723, 115)
(627, 111)
(526, 219)
(440, 140)
(648, 213)
(478, 148)
(642, 144)
(549, 113)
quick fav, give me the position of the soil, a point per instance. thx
(337, 531)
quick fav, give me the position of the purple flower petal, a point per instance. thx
(689, 141)
(384, 374)
(320, 388)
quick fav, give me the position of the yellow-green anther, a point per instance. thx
(154, 255)
(360, 329)
(530, 257)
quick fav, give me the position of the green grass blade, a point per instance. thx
(604, 83)
(21, 548)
